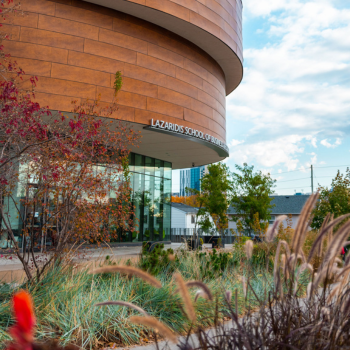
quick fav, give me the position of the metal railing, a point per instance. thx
(181, 235)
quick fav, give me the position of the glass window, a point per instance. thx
(138, 189)
(131, 161)
(149, 166)
(139, 163)
(159, 168)
(167, 209)
(167, 170)
(158, 210)
(151, 197)
(148, 223)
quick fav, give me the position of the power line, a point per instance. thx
(303, 170)
(302, 178)
(331, 166)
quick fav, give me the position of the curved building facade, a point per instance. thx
(178, 58)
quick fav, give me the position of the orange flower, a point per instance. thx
(22, 331)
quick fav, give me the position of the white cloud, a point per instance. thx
(263, 8)
(296, 87)
(269, 153)
(313, 159)
(234, 142)
(329, 145)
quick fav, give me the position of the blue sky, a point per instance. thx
(292, 108)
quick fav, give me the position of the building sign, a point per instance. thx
(184, 130)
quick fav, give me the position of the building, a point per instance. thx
(178, 59)
(191, 178)
(184, 217)
(283, 205)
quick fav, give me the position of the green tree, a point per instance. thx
(334, 200)
(251, 197)
(214, 197)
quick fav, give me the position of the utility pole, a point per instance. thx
(312, 179)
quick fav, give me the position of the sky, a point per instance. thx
(292, 108)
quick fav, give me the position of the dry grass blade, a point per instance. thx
(283, 262)
(248, 246)
(331, 296)
(228, 296)
(293, 259)
(347, 260)
(336, 243)
(272, 231)
(124, 303)
(202, 286)
(244, 285)
(153, 323)
(182, 289)
(309, 290)
(324, 223)
(330, 232)
(323, 232)
(276, 265)
(321, 275)
(301, 269)
(325, 313)
(200, 294)
(129, 270)
(343, 272)
(303, 222)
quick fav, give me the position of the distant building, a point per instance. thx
(183, 216)
(284, 205)
(191, 178)
(175, 194)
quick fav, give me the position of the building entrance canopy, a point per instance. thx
(183, 151)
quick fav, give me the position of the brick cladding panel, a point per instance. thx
(75, 48)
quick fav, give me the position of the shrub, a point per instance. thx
(214, 263)
(156, 260)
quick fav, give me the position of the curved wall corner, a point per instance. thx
(75, 48)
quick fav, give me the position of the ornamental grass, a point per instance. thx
(65, 302)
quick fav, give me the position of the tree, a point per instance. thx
(63, 179)
(192, 200)
(251, 197)
(214, 197)
(334, 200)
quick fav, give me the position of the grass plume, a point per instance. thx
(133, 271)
(336, 243)
(248, 246)
(202, 286)
(183, 291)
(124, 303)
(153, 323)
(326, 228)
(272, 231)
(303, 223)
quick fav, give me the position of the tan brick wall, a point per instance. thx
(75, 48)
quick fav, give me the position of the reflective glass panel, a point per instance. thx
(139, 163)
